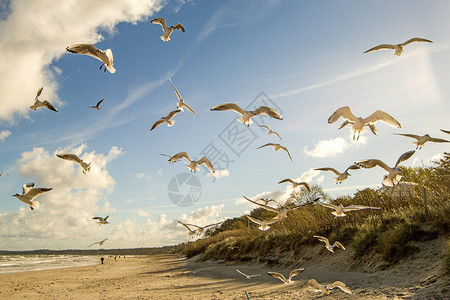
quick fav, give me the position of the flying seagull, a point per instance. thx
(398, 48)
(193, 165)
(87, 49)
(72, 157)
(99, 243)
(340, 210)
(247, 276)
(327, 243)
(176, 157)
(167, 31)
(167, 119)
(29, 192)
(296, 184)
(282, 278)
(359, 123)
(277, 147)
(421, 140)
(263, 225)
(101, 221)
(270, 131)
(45, 103)
(97, 106)
(445, 131)
(247, 115)
(394, 174)
(191, 232)
(325, 290)
(341, 176)
(200, 229)
(181, 104)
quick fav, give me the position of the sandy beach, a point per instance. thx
(172, 277)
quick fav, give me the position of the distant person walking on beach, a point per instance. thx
(102, 259)
(115, 258)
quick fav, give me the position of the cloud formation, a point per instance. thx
(4, 134)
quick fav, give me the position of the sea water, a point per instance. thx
(24, 263)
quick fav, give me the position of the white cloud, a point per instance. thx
(327, 148)
(35, 33)
(4, 134)
(129, 201)
(143, 213)
(143, 175)
(65, 212)
(220, 174)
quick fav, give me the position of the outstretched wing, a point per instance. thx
(287, 180)
(353, 167)
(358, 207)
(39, 91)
(176, 91)
(99, 102)
(266, 207)
(241, 273)
(322, 239)
(190, 109)
(268, 144)
(314, 284)
(445, 131)
(416, 40)
(256, 221)
(229, 106)
(157, 123)
(185, 226)
(338, 244)
(404, 157)
(179, 27)
(173, 113)
(414, 136)
(341, 285)
(265, 110)
(370, 163)
(34, 192)
(181, 155)
(160, 21)
(380, 47)
(207, 163)
(343, 112)
(93, 244)
(49, 105)
(328, 169)
(383, 117)
(295, 272)
(332, 206)
(215, 224)
(85, 49)
(438, 140)
(287, 151)
(277, 275)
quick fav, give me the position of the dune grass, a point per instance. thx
(389, 232)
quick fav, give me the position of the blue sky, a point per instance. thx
(306, 58)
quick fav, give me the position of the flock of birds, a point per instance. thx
(357, 125)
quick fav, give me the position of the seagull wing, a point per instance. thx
(173, 113)
(38, 93)
(332, 206)
(106, 218)
(193, 225)
(358, 207)
(97, 218)
(27, 187)
(287, 180)
(49, 105)
(266, 207)
(383, 117)
(438, 140)
(207, 163)
(185, 226)
(92, 244)
(268, 144)
(277, 134)
(414, 136)
(179, 27)
(287, 151)
(242, 273)
(345, 124)
(341, 285)
(380, 47)
(445, 131)
(370, 163)
(338, 244)
(256, 221)
(229, 106)
(416, 40)
(353, 167)
(306, 185)
(263, 126)
(295, 272)
(34, 192)
(322, 239)
(70, 157)
(343, 112)
(181, 155)
(211, 225)
(277, 275)
(85, 49)
(99, 102)
(190, 109)
(404, 157)
(314, 284)
(160, 21)
(265, 110)
(328, 169)
(176, 91)
(103, 240)
(157, 123)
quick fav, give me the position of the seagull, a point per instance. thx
(263, 225)
(398, 48)
(394, 174)
(277, 147)
(45, 103)
(72, 157)
(341, 285)
(282, 278)
(191, 232)
(341, 176)
(359, 123)
(105, 56)
(193, 165)
(99, 243)
(167, 119)
(340, 210)
(101, 221)
(181, 102)
(326, 289)
(445, 131)
(177, 157)
(167, 31)
(421, 140)
(247, 115)
(296, 184)
(247, 276)
(282, 212)
(270, 131)
(29, 192)
(97, 106)
(200, 229)
(327, 243)
(3, 173)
